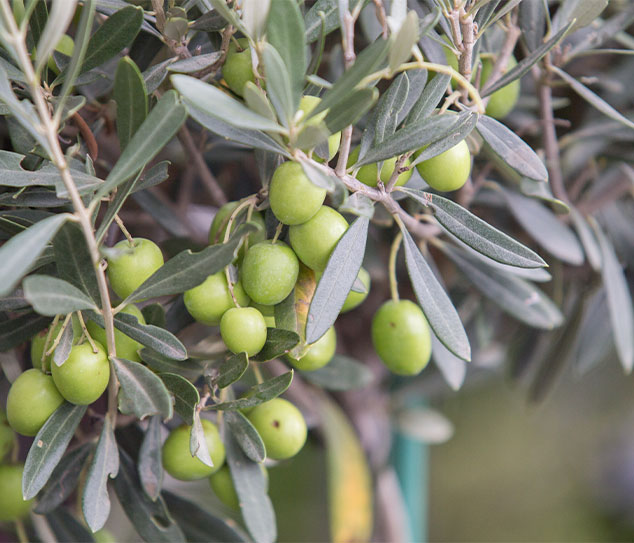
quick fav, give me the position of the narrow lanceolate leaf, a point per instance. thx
(525, 65)
(52, 296)
(151, 519)
(587, 238)
(194, 64)
(259, 393)
(197, 442)
(350, 109)
(157, 130)
(251, 487)
(130, 96)
(285, 32)
(113, 36)
(278, 85)
(545, 228)
(413, 136)
(246, 436)
(404, 40)
(619, 301)
(22, 250)
(516, 296)
(17, 330)
(73, 260)
(476, 233)
(317, 176)
(150, 459)
(341, 373)
(187, 270)
(63, 480)
(367, 62)
(199, 525)
(463, 126)
(329, 10)
(349, 479)
(278, 343)
(65, 527)
(95, 503)
(186, 395)
(593, 99)
(337, 280)
(230, 370)
(452, 368)
(429, 98)
(438, 308)
(62, 351)
(214, 102)
(48, 447)
(158, 339)
(142, 392)
(511, 149)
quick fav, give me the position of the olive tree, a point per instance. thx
(316, 135)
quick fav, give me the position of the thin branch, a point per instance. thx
(209, 181)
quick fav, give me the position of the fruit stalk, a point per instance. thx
(50, 128)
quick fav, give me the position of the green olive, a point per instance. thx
(355, 299)
(221, 219)
(401, 337)
(268, 312)
(178, 460)
(33, 398)
(83, 378)
(314, 240)
(318, 354)
(306, 105)
(208, 301)
(281, 426)
(368, 174)
(269, 272)
(293, 198)
(7, 437)
(12, 505)
(223, 487)
(135, 263)
(65, 46)
(447, 171)
(502, 101)
(127, 347)
(243, 329)
(238, 68)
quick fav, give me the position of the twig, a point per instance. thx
(551, 148)
(381, 17)
(89, 137)
(209, 181)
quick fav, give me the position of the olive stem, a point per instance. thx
(87, 334)
(123, 229)
(21, 531)
(50, 128)
(396, 243)
(278, 231)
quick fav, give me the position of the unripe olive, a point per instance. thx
(314, 240)
(243, 329)
(401, 337)
(281, 426)
(355, 299)
(447, 171)
(221, 220)
(318, 354)
(502, 101)
(83, 378)
(33, 398)
(368, 174)
(238, 69)
(269, 272)
(208, 301)
(178, 460)
(7, 437)
(306, 105)
(127, 347)
(223, 487)
(12, 505)
(293, 198)
(133, 265)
